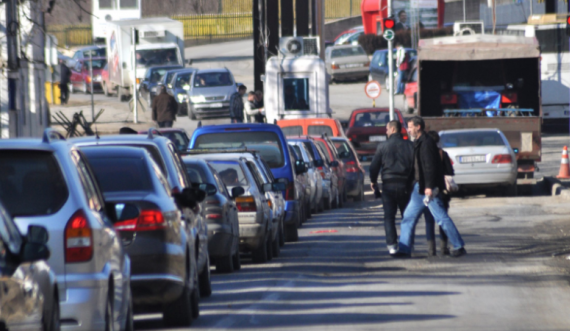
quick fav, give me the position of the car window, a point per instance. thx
(266, 170)
(297, 150)
(296, 93)
(323, 150)
(296, 130)
(77, 55)
(179, 139)
(221, 187)
(471, 139)
(160, 175)
(378, 119)
(256, 175)
(266, 143)
(122, 174)
(230, 172)
(9, 235)
(183, 81)
(96, 52)
(318, 130)
(157, 57)
(180, 173)
(31, 183)
(213, 79)
(383, 59)
(309, 149)
(89, 187)
(97, 64)
(344, 151)
(347, 51)
(376, 58)
(195, 173)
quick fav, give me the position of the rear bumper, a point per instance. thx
(353, 183)
(83, 308)
(486, 178)
(155, 290)
(251, 236)
(220, 240)
(350, 74)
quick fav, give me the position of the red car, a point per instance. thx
(411, 92)
(81, 78)
(367, 129)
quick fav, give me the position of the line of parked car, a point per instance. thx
(96, 229)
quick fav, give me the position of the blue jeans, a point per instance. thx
(412, 214)
(401, 83)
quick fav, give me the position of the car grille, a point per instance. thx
(215, 98)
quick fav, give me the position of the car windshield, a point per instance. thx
(230, 172)
(266, 143)
(169, 77)
(31, 183)
(97, 64)
(347, 51)
(195, 173)
(318, 130)
(213, 79)
(157, 75)
(183, 81)
(377, 119)
(296, 130)
(122, 174)
(97, 52)
(471, 139)
(157, 57)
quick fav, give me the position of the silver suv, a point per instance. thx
(210, 93)
(49, 183)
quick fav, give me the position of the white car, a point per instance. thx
(481, 158)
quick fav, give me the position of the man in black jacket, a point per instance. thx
(395, 160)
(64, 77)
(426, 193)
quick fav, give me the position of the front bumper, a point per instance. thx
(211, 109)
(351, 74)
(220, 240)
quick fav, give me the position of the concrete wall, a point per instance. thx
(334, 28)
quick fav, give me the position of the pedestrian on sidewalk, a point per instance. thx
(64, 78)
(403, 63)
(164, 109)
(394, 159)
(426, 194)
(236, 105)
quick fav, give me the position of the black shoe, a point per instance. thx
(401, 255)
(458, 252)
(431, 248)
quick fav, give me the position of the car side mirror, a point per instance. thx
(37, 234)
(278, 187)
(319, 163)
(237, 191)
(334, 164)
(210, 189)
(300, 167)
(32, 252)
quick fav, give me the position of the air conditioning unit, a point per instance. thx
(468, 28)
(299, 46)
(152, 33)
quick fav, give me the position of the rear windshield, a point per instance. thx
(31, 183)
(318, 130)
(230, 172)
(292, 130)
(195, 173)
(379, 119)
(471, 139)
(267, 144)
(347, 51)
(155, 154)
(344, 151)
(121, 174)
(213, 79)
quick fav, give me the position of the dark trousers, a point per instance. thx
(165, 124)
(64, 93)
(394, 196)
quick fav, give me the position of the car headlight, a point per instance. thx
(97, 78)
(182, 97)
(197, 99)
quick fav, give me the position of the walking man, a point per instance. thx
(64, 77)
(236, 105)
(164, 109)
(429, 183)
(394, 159)
(403, 62)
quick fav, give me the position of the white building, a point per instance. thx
(23, 107)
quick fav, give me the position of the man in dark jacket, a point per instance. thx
(164, 108)
(394, 159)
(64, 77)
(236, 105)
(426, 193)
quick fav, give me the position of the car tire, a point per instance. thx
(308, 210)
(259, 255)
(321, 206)
(237, 260)
(205, 281)
(129, 323)
(269, 245)
(276, 248)
(195, 302)
(281, 235)
(179, 313)
(54, 318)
(327, 204)
(291, 233)
(109, 323)
(225, 264)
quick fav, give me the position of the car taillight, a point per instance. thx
(78, 239)
(148, 220)
(449, 99)
(245, 204)
(212, 202)
(213, 216)
(367, 64)
(269, 203)
(290, 191)
(88, 79)
(502, 158)
(509, 97)
(351, 166)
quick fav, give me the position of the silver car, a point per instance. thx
(210, 93)
(315, 179)
(48, 182)
(347, 62)
(481, 158)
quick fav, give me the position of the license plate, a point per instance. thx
(377, 138)
(351, 65)
(216, 105)
(473, 159)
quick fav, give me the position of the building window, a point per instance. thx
(107, 4)
(296, 93)
(129, 4)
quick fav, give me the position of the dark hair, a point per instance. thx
(401, 12)
(251, 93)
(396, 125)
(127, 130)
(258, 93)
(434, 135)
(242, 88)
(418, 121)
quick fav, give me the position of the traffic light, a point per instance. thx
(388, 24)
(568, 25)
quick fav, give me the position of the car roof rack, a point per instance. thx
(197, 151)
(152, 132)
(51, 135)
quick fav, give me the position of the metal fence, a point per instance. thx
(335, 9)
(216, 26)
(72, 35)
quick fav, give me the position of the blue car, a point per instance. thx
(269, 141)
(379, 64)
(153, 77)
(179, 87)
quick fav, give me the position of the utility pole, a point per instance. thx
(135, 97)
(391, 68)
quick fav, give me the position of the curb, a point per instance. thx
(556, 187)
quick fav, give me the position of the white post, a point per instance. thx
(391, 68)
(91, 86)
(135, 98)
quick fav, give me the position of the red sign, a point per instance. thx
(373, 89)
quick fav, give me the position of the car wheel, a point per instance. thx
(205, 280)
(291, 233)
(179, 312)
(195, 303)
(54, 318)
(308, 210)
(225, 264)
(281, 235)
(275, 244)
(327, 204)
(321, 206)
(236, 260)
(269, 246)
(259, 255)
(109, 321)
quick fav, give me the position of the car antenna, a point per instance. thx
(275, 121)
(199, 124)
(97, 134)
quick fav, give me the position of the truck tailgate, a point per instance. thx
(523, 133)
